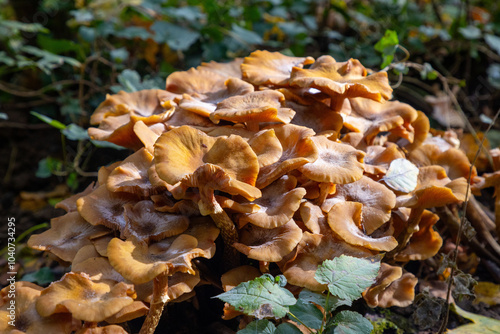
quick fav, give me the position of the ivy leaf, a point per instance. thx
(245, 37)
(261, 298)
(428, 73)
(106, 144)
(349, 322)
(401, 176)
(4, 116)
(258, 327)
(42, 276)
(177, 37)
(480, 324)
(494, 75)
(308, 313)
(346, 276)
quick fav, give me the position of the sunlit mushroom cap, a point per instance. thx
(379, 158)
(145, 223)
(266, 146)
(199, 81)
(423, 244)
(84, 299)
(345, 220)
(229, 69)
(140, 263)
(391, 288)
(66, 236)
(434, 189)
(270, 68)
(312, 250)
(97, 267)
(298, 149)
(27, 319)
(269, 245)
(206, 104)
(337, 163)
(135, 310)
(277, 205)
(342, 80)
(262, 106)
(143, 103)
(133, 176)
(198, 160)
(371, 118)
(313, 218)
(454, 161)
(376, 198)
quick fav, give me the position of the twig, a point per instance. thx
(460, 228)
(12, 162)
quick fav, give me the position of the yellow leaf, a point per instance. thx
(480, 324)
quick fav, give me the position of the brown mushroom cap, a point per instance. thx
(84, 299)
(277, 205)
(269, 244)
(141, 103)
(425, 243)
(206, 104)
(110, 329)
(145, 223)
(312, 250)
(266, 146)
(298, 149)
(103, 207)
(400, 292)
(97, 267)
(69, 204)
(345, 220)
(229, 69)
(179, 285)
(199, 81)
(376, 198)
(262, 106)
(313, 218)
(270, 68)
(132, 176)
(336, 163)
(140, 263)
(135, 310)
(386, 275)
(342, 80)
(66, 236)
(27, 319)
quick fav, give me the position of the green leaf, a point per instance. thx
(346, 276)
(470, 32)
(119, 55)
(493, 41)
(57, 46)
(47, 166)
(245, 37)
(480, 324)
(287, 328)
(258, 327)
(320, 299)
(348, 322)
(177, 37)
(494, 138)
(261, 298)
(4, 116)
(428, 73)
(16, 26)
(75, 132)
(41, 277)
(401, 176)
(72, 181)
(133, 32)
(106, 144)
(387, 46)
(52, 122)
(308, 313)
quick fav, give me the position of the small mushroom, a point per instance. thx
(345, 220)
(84, 299)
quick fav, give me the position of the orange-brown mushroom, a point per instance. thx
(66, 236)
(84, 299)
(345, 220)
(270, 68)
(22, 313)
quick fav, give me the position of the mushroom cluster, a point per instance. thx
(285, 157)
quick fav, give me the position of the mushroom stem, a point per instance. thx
(229, 235)
(411, 228)
(160, 297)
